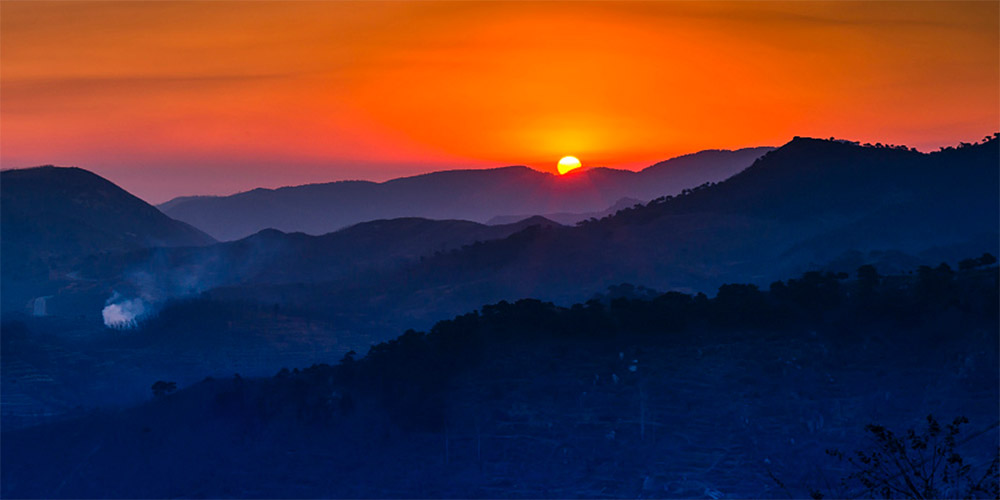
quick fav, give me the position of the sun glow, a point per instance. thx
(316, 86)
(568, 163)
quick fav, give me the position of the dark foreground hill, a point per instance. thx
(476, 195)
(633, 394)
(52, 213)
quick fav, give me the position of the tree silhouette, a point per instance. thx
(917, 465)
(987, 260)
(162, 388)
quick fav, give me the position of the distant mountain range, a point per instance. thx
(811, 204)
(475, 195)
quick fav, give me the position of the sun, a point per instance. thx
(568, 163)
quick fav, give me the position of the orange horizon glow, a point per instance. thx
(180, 98)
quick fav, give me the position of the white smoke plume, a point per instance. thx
(145, 290)
(170, 274)
(124, 314)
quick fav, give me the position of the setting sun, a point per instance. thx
(568, 163)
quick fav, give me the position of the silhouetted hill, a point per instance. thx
(808, 176)
(272, 256)
(842, 196)
(476, 195)
(694, 169)
(52, 213)
(804, 206)
(56, 211)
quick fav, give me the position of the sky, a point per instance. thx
(178, 98)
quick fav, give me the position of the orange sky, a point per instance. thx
(170, 98)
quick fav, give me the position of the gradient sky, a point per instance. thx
(171, 98)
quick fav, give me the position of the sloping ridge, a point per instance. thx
(70, 211)
(52, 216)
(834, 196)
(272, 256)
(794, 209)
(809, 177)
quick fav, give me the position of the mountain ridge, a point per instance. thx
(707, 236)
(468, 194)
(82, 196)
